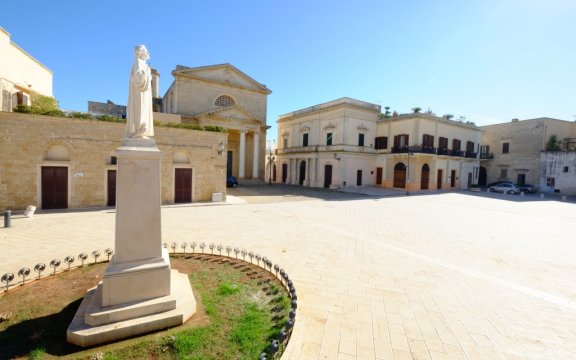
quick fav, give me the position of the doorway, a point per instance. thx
(521, 180)
(400, 176)
(378, 176)
(54, 186)
(439, 178)
(327, 176)
(359, 178)
(284, 173)
(482, 177)
(111, 191)
(425, 177)
(302, 172)
(182, 186)
(229, 157)
(452, 178)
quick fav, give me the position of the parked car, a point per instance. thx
(498, 183)
(231, 181)
(527, 188)
(505, 187)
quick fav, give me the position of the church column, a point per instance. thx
(255, 163)
(242, 156)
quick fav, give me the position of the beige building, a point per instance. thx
(514, 149)
(20, 75)
(348, 142)
(224, 96)
(54, 162)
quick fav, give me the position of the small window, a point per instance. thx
(305, 139)
(360, 139)
(551, 182)
(224, 100)
(565, 169)
(113, 160)
(505, 148)
(284, 143)
(503, 173)
(329, 138)
(427, 141)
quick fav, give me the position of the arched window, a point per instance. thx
(224, 100)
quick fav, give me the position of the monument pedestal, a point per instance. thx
(139, 292)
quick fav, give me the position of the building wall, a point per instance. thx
(561, 168)
(526, 139)
(26, 140)
(19, 71)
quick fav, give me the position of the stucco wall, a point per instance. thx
(25, 140)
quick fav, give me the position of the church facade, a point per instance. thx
(222, 95)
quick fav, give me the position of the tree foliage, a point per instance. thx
(552, 144)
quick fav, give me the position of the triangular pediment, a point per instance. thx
(225, 74)
(235, 112)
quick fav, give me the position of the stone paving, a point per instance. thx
(444, 276)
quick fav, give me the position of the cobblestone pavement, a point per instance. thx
(380, 276)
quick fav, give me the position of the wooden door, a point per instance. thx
(54, 187)
(284, 172)
(327, 176)
(359, 178)
(400, 176)
(183, 186)
(439, 178)
(378, 176)
(274, 173)
(425, 177)
(453, 178)
(111, 200)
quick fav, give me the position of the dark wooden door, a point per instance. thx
(453, 178)
(521, 179)
(400, 176)
(54, 187)
(482, 178)
(302, 173)
(183, 186)
(284, 172)
(378, 176)
(111, 201)
(229, 159)
(439, 178)
(358, 177)
(425, 177)
(327, 176)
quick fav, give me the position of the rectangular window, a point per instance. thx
(305, 139)
(503, 173)
(360, 139)
(329, 138)
(381, 142)
(427, 141)
(442, 143)
(565, 169)
(284, 143)
(470, 146)
(455, 145)
(550, 182)
(401, 141)
(505, 148)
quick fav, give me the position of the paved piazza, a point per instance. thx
(444, 276)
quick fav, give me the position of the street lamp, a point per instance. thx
(408, 172)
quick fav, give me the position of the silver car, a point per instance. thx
(507, 188)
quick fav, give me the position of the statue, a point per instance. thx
(139, 110)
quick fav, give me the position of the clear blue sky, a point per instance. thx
(488, 60)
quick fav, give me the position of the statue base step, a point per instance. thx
(94, 324)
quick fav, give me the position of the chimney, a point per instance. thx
(155, 82)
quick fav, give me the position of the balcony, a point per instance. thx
(327, 148)
(471, 155)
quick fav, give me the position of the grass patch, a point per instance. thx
(241, 307)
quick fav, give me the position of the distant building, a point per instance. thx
(515, 150)
(347, 142)
(558, 172)
(20, 75)
(107, 108)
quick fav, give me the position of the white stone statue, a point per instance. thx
(139, 110)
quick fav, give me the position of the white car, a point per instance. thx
(507, 188)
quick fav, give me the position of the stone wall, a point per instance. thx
(86, 147)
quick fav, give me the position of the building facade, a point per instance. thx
(55, 163)
(222, 95)
(514, 149)
(347, 142)
(20, 75)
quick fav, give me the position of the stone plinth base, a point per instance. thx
(133, 318)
